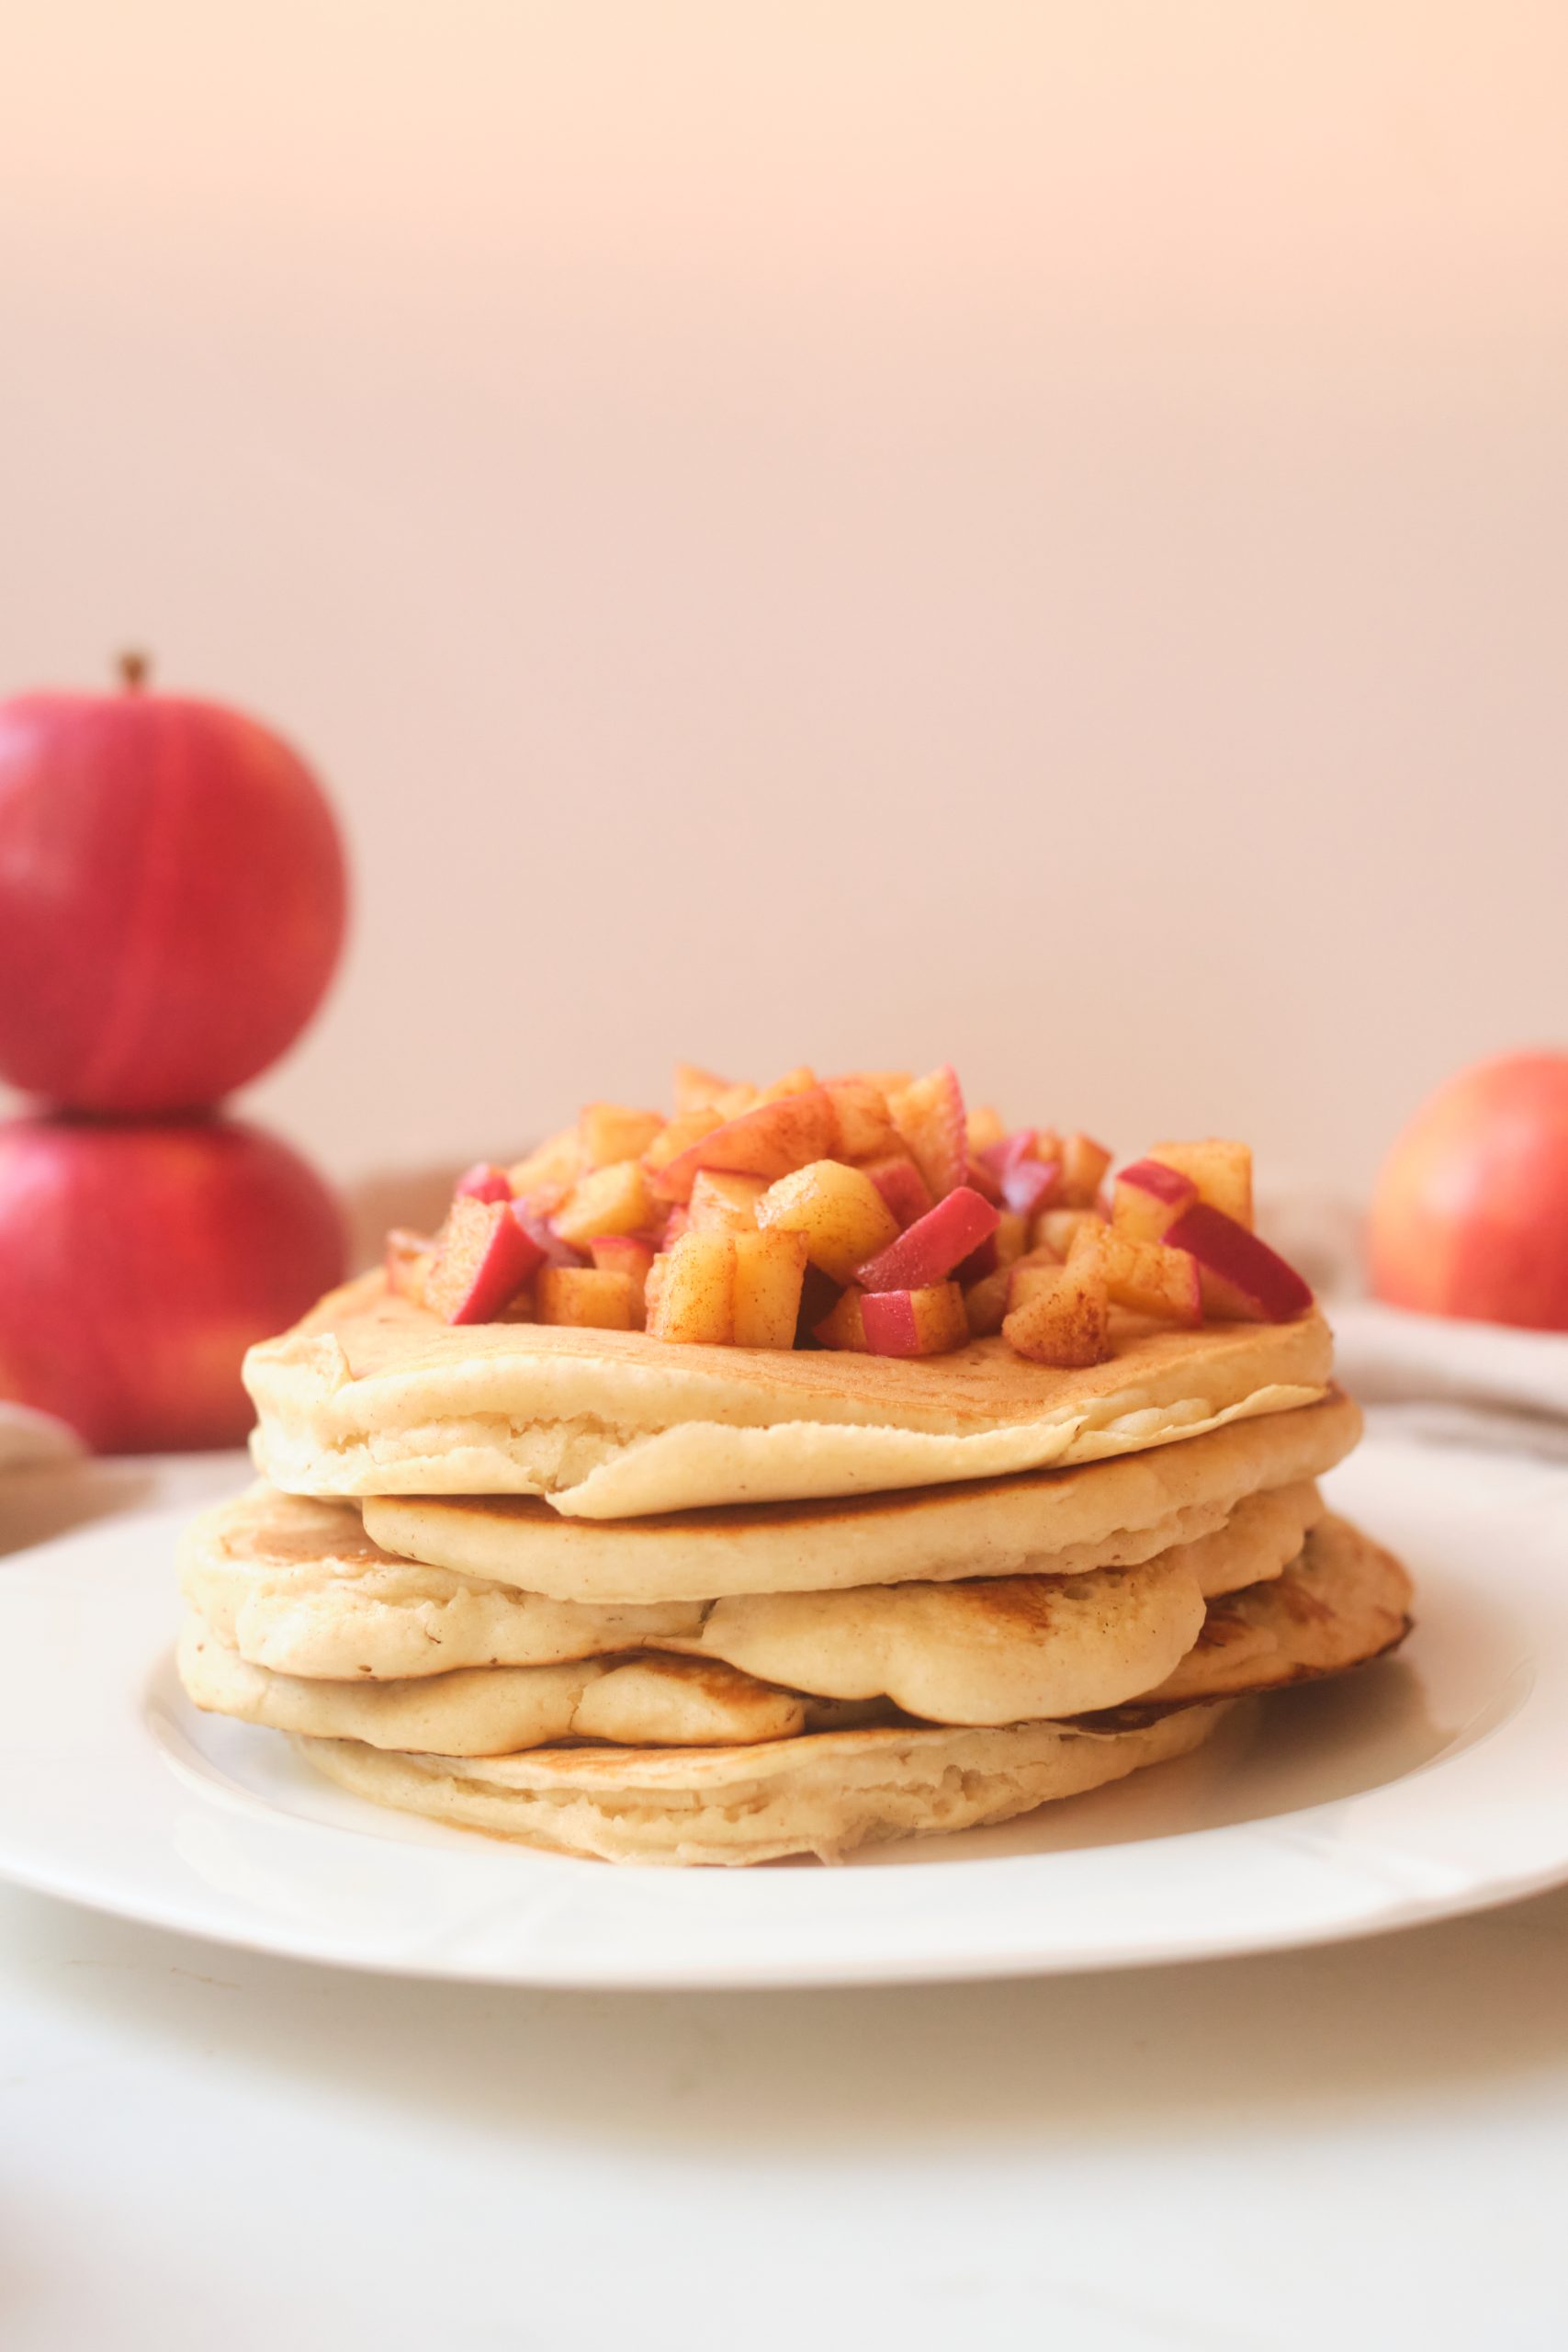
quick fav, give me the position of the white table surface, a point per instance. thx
(1360, 2146)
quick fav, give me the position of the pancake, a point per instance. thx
(1344, 1601)
(299, 1587)
(498, 1710)
(1110, 1514)
(825, 1793)
(371, 1395)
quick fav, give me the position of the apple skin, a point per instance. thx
(1243, 1280)
(172, 900)
(927, 1251)
(1470, 1218)
(138, 1263)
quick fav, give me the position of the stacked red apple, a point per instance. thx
(871, 1212)
(172, 900)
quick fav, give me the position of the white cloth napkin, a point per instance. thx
(1469, 1383)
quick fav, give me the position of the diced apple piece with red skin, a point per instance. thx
(1244, 1281)
(408, 1261)
(721, 1204)
(1221, 1169)
(1064, 1318)
(843, 1328)
(610, 1200)
(1056, 1229)
(483, 1181)
(552, 1249)
(770, 1271)
(691, 1290)
(986, 1303)
(1009, 1242)
(1032, 1185)
(1148, 1197)
(632, 1255)
(483, 1256)
(555, 1163)
(931, 1248)
(610, 1131)
(901, 1185)
(1084, 1163)
(866, 1124)
(929, 1116)
(979, 1178)
(771, 1141)
(1004, 1154)
(678, 1222)
(678, 1135)
(589, 1296)
(926, 1321)
(842, 1216)
(982, 1128)
(1146, 1277)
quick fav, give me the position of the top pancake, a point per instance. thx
(371, 1395)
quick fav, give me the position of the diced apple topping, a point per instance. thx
(901, 1185)
(1219, 1167)
(483, 1256)
(590, 1296)
(1146, 1277)
(838, 1210)
(982, 1128)
(1064, 1317)
(1242, 1279)
(986, 1303)
(929, 1116)
(1084, 1163)
(866, 1124)
(691, 1290)
(843, 1327)
(1056, 1229)
(721, 1204)
(931, 1248)
(770, 1270)
(869, 1210)
(630, 1254)
(483, 1181)
(408, 1259)
(609, 1131)
(552, 1166)
(924, 1322)
(612, 1200)
(771, 1141)
(1147, 1199)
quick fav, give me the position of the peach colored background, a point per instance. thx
(1024, 533)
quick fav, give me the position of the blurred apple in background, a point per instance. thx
(172, 898)
(139, 1262)
(1470, 1214)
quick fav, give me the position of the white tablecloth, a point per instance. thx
(1355, 2147)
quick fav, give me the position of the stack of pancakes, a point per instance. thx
(705, 1604)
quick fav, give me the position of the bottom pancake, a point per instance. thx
(824, 1794)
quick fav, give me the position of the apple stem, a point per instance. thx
(133, 669)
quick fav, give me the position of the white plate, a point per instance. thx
(1432, 1783)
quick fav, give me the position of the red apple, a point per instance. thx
(1470, 1214)
(1242, 1279)
(483, 1256)
(772, 1140)
(139, 1262)
(931, 1248)
(172, 898)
